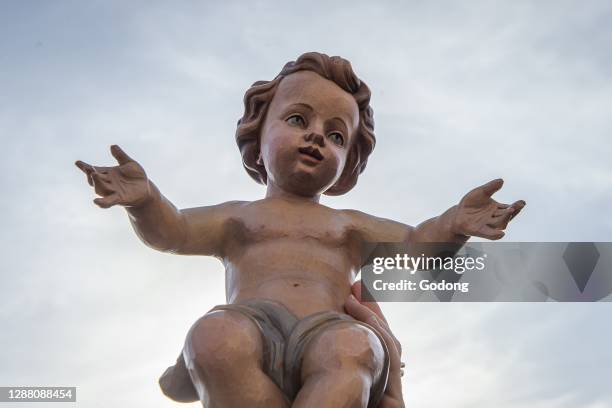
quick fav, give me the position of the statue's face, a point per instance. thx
(307, 133)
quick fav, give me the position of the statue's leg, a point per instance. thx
(339, 367)
(223, 353)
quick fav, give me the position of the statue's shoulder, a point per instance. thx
(233, 210)
(234, 205)
(374, 228)
(357, 217)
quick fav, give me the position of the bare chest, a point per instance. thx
(261, 224)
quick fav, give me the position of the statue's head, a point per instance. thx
(310, 130)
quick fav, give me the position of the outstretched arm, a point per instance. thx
(477, 214)
(156, 221)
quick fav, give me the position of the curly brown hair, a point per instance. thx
(257, 100)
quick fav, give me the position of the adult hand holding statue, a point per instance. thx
(370, 313)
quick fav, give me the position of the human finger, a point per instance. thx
(360, 311)
(120, 155)
(364, 314)
(373, 306)
(108, 201)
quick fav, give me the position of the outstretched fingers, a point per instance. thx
(90, 171)
(500, 219)
(507, 213)
(101, 178)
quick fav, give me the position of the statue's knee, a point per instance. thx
(345, 346)
(222, 341)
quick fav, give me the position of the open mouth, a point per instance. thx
(312, 152)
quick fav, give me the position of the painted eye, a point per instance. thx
(336, 138)
(296, 120)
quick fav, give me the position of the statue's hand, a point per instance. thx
(126, 184)
(479, 215)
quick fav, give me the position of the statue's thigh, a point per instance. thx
(344, 345)
(222, 342)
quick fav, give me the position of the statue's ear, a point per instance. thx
(251, 161)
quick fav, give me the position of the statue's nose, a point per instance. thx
(315, 138)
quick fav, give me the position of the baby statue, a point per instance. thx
(283, 338)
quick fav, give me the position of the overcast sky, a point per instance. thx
(463, 92)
